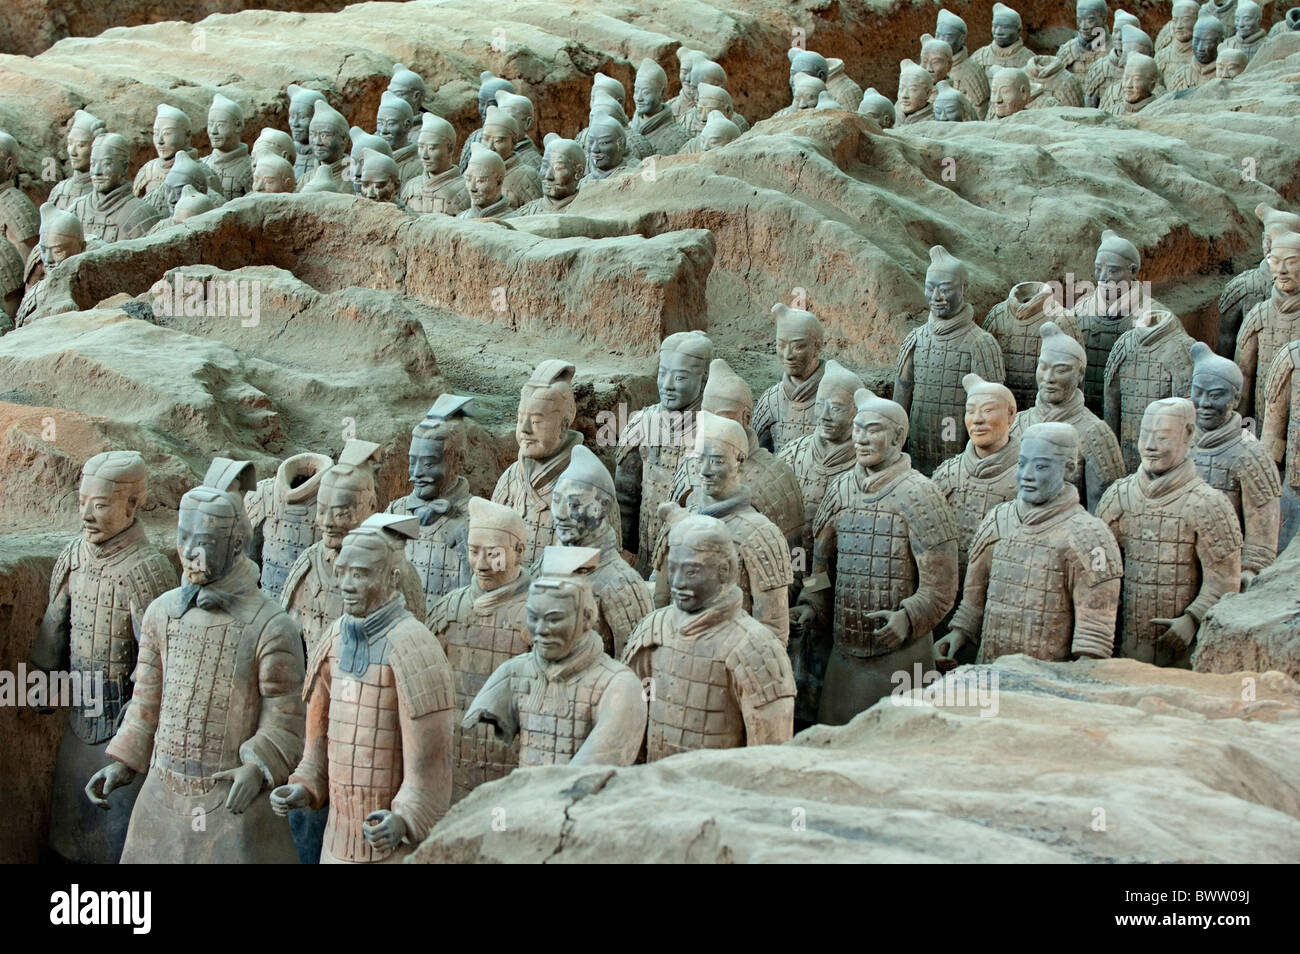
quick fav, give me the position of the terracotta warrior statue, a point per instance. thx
(184, 172)
(1174, 43)
(884, 565)
(543, 429)
(817, 459)
(329, 143)
(966, 75)
(1224, 10)
(879, 108)
(489, 85)
(484, 176)
(275, 142)
(610, 105)
(1230, 64)
(1135, 42)
(381, 178)
(216, 715)
(1180, 540)
(719, 126)
(407, 84)
(681, 104)
(191, 203)
(102, 584)
(915, 89)
(1109, 311)
(1250, 31)
(719, 130)
(935, 58)
(345, 497)
(302, 107)
(785, 411)
(17, 213)
(1014, 323)
(171, 137)
(807, 63)
(438, 499)
(1057, 82)
(521, 107)
(1012, 92)
(774, 491)
(950, 106)
(807, 92)
(109, 211)
(563, 166)
(229, 158)
(1044, 574)
(440, 187)
(394, 122)
(61, 238)
(323, 180)
(840, 85)
(81, 134)
(1007, 49)
(1137, 86)
(1149, 361)
(707, 73)
(935, 357)
(585, 510)
(1271, 324)
(1207, 35)
(480, 626)
(984, 474)
(606, 147)
(1281, 435)
(501, 131)
(1287, 24)
(566, 700)
(1089, 44)
(1241, 469)
(1247, 289)
(716, 678)
(1062, 365)
(282, 512)
(1107, 70)
(653, 118)
(654, 439)
(765, 572)
(380, 700)
(272, 175)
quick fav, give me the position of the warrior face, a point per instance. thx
(435, 153)
(106, 509)
(1058, 380)
(265, 180)
(327, 143)
(1009, 94)
(392, 127)
(695, 577)
(1284, 265)
(1163, 440)
(169, 137)
(494, 557)
(681, 379)
(605, 149)
(798, 352)
(577, 511)
(648, 94)
(1247, 22)
(300, 122)
(1091, 22)
(1041, 470)
(877, 441)
(500, 140)
(79, 142)
(719, 468)
(1205, 43)
(555, 618)
(484, 184)
(1183, 26)
(988, 422)
(366, 574)
(559, 177)
(1110, 268)
(540, 427)
(58, 248)
(913, 95)
(834, 414)
(948, 109)
(339, 510)
(223, 133)
(945, 291)
(936, 63)
(953, 35)
(412, 94)
(1005, 33)
(428, 467)
(1214, 399)
(206, 541)
(377, 186)
(1137, 85)
(107, 171)
(806, 97)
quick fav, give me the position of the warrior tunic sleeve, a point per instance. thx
(426, 698)
(1095, 569)
(1247, 359)
(619, 731)
(133, 743)
(495, 704)
(969, 617)
(1278, 413)
(276, 746)
(1218, 547)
